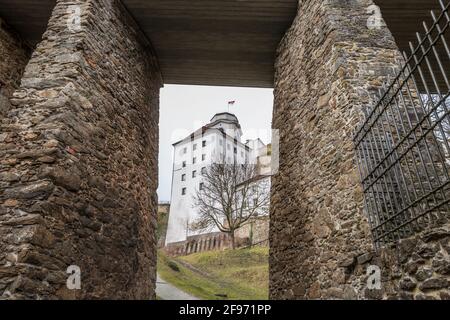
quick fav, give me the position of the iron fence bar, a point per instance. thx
(427, 131)
(394, 155)
(421, 215)
(430, 97)
(422, 131)
(428, 120)
(417, 202)
(402, 147)
(415, 50)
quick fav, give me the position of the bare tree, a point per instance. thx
(229, 197)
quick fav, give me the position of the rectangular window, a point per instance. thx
(194, 147)
(221, 142)
(183, 191)
(183, 177)
(185, 150)
(201, 186)
(204, 143)
(184, 164)
(203, 157)
(194, 174)
(194, 160)
(235, 150)
(204, 170)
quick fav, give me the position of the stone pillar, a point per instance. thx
(79, 160)
(14, 55)
(329, 66)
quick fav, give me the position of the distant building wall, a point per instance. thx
(163, 218)
(257, 231)
(218, 146)
(164, 207)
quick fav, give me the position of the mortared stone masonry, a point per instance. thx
(79, 160)
(329, 67)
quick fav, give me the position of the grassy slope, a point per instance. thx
(240, 274)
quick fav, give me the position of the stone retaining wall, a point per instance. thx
(79, 161)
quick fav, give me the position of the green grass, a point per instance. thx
(239, 274)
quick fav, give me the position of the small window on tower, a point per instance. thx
(183, 177)
(183, 191)
(201, 186)
(204, 143)
(203, 157)
(194, 174)
(184, 164)
(194, 147)
(184, 150)
(194, 160)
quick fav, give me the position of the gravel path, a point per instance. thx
(167, 291)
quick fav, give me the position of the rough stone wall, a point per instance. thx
(14, 57)
(329, 66)
(78, 161)
(415, 268)
(257, 231)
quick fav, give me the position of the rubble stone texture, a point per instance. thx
(329, 66)
(79, 161)
(14, 55)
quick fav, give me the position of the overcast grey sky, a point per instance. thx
(187, 108)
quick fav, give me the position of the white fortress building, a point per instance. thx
(217, 142)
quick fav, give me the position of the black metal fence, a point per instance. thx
(403, 146)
